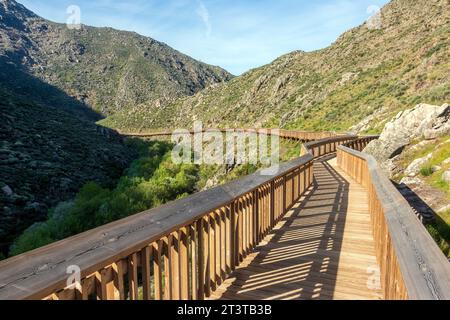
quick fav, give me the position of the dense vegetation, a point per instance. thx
(47, 153)
(151, 180)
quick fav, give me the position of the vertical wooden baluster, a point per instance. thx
(107, 276)
(244, 227)
(265, 211)
(267, 202)
(184, 263)
(193, 252)
(275, 201)
(87, 287)
(158, 249)
(146, 255)
(295, 185)
(174, 274)
(218, 237)
(261, 214)
(212, 251)
(249, 223)
(206, 256)
(100, 286)
(223, 244)
(133, 276)
(233, 235)
(272, 203)
(302, 180)
(119, 293)
(201, 259)
(249, 215)
(228, 239)
(256, 214)
(241, 231)
(252, 221)
(167, 277)
(284, 194)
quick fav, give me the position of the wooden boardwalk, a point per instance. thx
(322, 249)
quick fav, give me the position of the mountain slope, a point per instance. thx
(47, 152)
(54, 84)
(107, 69)
(366, 75)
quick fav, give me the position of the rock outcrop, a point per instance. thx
(422, 122)
(446, 176)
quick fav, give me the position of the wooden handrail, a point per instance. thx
(322, 147)
(287, 134)
(412, 265)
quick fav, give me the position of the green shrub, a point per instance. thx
(151, 180)
(426, 171)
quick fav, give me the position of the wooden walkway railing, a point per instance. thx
(303, 136)
(412, 266)
(182, 250)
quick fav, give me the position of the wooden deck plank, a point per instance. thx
(322, 249)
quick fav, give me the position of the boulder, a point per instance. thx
(415, 166)
(444, 209)
(446, 176)
(422, 121)
(411, 181)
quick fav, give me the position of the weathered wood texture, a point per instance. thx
(322, 249)
(412, 266)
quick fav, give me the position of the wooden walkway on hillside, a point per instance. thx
(322, 249)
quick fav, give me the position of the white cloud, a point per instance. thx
(203, 13)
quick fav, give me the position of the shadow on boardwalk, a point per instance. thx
(300, 259)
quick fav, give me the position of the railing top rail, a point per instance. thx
(425, 270)
(339, 138)
(42, 271)
(309, 135)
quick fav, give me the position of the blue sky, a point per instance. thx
(236, 35)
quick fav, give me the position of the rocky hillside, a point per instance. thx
(106, 69)
(365, 77)
(46, 154)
